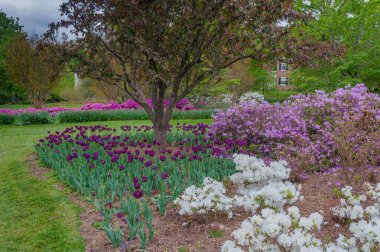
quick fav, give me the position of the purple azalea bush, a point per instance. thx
(304, 129)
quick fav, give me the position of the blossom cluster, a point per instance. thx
(304, 129)
(350, 205)
(276, 225)
(276, 231)
(259, 185)
(183, 104)
(247, 97)
(286, 230)
(251, 96)
(210, 197)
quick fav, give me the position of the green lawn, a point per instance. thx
(34, 215)
(276, 95)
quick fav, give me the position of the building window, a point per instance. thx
(283, 66)
(283, 81)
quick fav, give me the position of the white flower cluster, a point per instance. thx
(251, 96)
(254, 174)
(367, 231)
(271, 231)
(259, 186)
(210, 197)
(274, 228)
(262, 185)
(227, 98)
(349, 207)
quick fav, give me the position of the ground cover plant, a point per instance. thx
(124, 174)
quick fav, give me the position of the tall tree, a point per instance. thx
(356, 25)
(36, 65)
(166, 48)
(9, 27)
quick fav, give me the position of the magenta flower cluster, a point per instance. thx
(129, 104)
(302, 129)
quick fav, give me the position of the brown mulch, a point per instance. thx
(188, 233)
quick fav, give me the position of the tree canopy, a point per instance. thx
(36, 65)
(354, 24)
(9, 27)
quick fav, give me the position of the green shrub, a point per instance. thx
(7, 119)
(123, 115)
(34, 118)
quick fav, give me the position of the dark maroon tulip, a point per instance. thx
(164, 175)
(137, 194)
(136, 185)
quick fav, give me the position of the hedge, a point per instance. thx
(33, 118)
(123, 115)
(7, 119)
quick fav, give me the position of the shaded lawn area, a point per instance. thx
(48, 105)
(276, 95)
(34, 215)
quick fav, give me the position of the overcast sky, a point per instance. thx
(34, 15)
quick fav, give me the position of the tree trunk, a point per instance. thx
(161, 133)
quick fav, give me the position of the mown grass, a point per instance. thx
(276, 95)
(34, 215)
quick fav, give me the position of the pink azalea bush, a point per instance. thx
(304, 129)
(184, 104)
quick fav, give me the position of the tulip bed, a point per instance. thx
(124, 173)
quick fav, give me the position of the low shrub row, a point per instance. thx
(6, 119)
(118, 115)
(29, 118)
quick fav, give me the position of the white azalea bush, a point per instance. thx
(271, 231)
(276, 225)
(251, 96)
(211, 197)
(350, 205)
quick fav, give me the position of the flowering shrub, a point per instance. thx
(303, 130)
(129, 104)
(208, 198)
(276, 226)
(349, 207)
(286, 230)
(251, 96)
(271, 231)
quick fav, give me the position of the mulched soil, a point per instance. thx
(188, 233)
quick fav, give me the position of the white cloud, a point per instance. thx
(34, 15)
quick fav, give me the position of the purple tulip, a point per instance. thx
(164, 175)
(137, 194)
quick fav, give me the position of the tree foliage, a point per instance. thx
(356, 25)
(36, 65)
(165, 49)
(9, 27)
